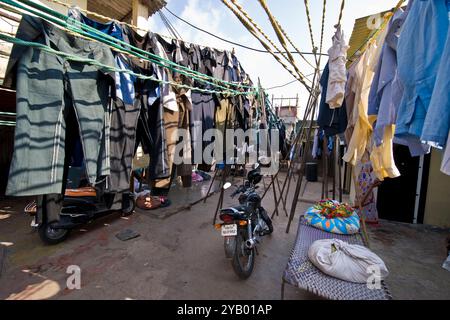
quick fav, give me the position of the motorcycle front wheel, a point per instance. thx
(244, 259)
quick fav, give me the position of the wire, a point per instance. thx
(288, 83)
(236, 43)
(283, 85)
(169, 25)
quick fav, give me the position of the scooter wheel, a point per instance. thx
(50, 235)
(129, 209)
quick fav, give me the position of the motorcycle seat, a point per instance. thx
(238, 211)
(81, 192)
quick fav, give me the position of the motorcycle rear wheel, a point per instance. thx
(243, 260)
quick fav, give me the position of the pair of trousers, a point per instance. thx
(170, 120)
(202, 119)
(185, 168)
(124, 118)
(46, 86)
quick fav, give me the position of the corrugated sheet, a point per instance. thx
(121, 9)
(361, 32)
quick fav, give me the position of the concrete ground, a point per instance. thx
(180, 256)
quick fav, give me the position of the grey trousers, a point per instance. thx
(124, 120)
(46, 86)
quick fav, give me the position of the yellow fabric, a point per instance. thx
(364, 71)
(382, 157)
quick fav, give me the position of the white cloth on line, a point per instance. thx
(338, 72)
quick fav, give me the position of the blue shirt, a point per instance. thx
(419, 54)
(382, 101)
(437, 121)
(124, 82)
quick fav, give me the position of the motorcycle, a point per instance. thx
(243, 225)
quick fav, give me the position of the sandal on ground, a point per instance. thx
(147, 202)
(31, 208)
(164, 202)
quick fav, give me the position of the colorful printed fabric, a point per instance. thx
(334, 209)
(347, 223)
(365, 180)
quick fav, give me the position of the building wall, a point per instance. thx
(63, 9)
(437, 207)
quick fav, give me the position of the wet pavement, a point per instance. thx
(179, 255)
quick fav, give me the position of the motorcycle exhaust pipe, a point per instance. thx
(251, 243)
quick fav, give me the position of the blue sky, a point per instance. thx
(215, 17)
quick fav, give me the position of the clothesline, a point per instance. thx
(116, 44)
(232, 42)
(104, 67)
(308, 18)
(106, 18)
(281, 35)
(248, 24)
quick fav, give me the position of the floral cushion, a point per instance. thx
(340, 225)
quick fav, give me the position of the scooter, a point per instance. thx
(80, 206)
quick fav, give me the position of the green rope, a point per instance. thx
(107, 68)
(87, 31)
(7, 123)
(123, 43)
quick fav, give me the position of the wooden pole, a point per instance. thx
(302, 168)
(140, 16)
(339, 167)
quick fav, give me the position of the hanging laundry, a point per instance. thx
(124, 112)
(365, 180)
(381, 110)
(419, 58)
(38, 165)
(349, 98)
(332, 121)
(315, 148)
(437, 120)
(224, 65)
(360, 83)
(338, 73)
(166, 113)
(184, 169)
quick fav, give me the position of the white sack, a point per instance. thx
(348, 262)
